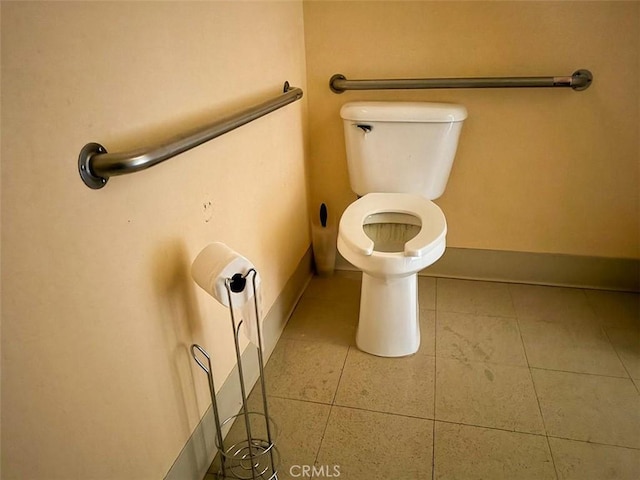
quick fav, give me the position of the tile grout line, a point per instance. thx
(344, 363)
(393, 414)
(603, 329)
(590, 442)
(326, 425)
(497, 429)
(573, 372)
(606, 334)
(331, 405)
(533, 383)
(528, 367)
(294, 399)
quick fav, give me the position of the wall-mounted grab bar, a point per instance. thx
(580, 80)
(96, 165)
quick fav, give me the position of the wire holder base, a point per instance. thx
(254, 456)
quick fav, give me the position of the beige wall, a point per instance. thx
(537, 170)
(98, 305)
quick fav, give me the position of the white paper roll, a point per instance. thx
(210, 270)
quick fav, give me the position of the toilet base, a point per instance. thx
(389, 324)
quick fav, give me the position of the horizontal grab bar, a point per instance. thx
(96, 165)
(580, 80)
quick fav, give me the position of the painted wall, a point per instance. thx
(538, 170)
(99, 308)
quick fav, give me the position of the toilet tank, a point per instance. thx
(401, 147)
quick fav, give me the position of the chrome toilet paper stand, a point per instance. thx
(250, 458)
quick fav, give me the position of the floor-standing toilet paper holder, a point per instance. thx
(250, 458)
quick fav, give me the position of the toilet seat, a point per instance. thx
(433, 224)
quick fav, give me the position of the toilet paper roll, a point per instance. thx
(210, 270)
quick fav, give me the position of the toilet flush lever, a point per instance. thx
(365, 128)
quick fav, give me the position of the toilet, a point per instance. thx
(399, 157)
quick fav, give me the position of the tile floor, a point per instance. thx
(510, 382)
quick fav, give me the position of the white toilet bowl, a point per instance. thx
(391, 237)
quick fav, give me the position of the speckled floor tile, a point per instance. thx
(318, 320)
(478, 298)
(589, 461)
(626, 341)
(342, 286)
(562, 346)
(589, 407)
(558, 304)
(479, 338)
(393, 385)
(427, 292)
(474, 453)
(616, 309)
(486, 394)
(427, 332)
(377, 446)
(305, 370)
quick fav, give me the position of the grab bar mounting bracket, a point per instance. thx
(84, 165)
(580, 75)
